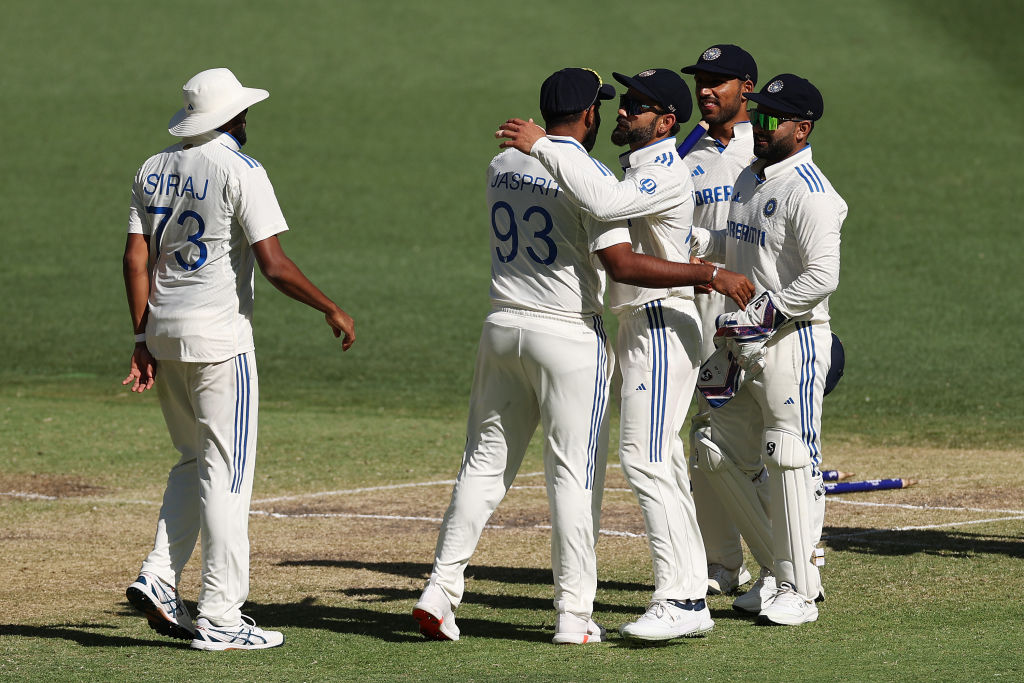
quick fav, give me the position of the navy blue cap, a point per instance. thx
(835, 370)
(568, 91)
(664, 86)
(730, 60)
(790, 94)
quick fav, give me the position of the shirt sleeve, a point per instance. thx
(137, 223)
(815, 227)
(256, 206)
(603, 235)
(585, 181)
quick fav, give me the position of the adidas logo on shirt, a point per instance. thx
(641, 388)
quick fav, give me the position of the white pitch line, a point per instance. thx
(354, 515)
(925, 527)
(367, 489)
(30, 496)
(906, 506)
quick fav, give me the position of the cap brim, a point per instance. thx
(187, 124)
(772, 102)
(635, 84)
(606, 92)
(710, 69)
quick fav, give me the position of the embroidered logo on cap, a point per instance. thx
(711, 54)
(775, 86)
(645, 74)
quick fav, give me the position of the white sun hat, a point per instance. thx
(212, 97)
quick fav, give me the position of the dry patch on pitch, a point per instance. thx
(47, 486)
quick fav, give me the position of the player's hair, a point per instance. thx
(553, 119)
(675, 130)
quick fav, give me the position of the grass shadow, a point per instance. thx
(929, 541)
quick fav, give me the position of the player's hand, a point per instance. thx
(519, 134)
(143, 369)
(342, 324)
(702, 289)
(734, 285)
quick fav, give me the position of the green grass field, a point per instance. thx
(376, 136)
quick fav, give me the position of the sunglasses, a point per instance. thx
(634, 107)
(767, 121)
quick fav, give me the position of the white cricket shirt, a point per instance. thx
(714, 172)
(783, 234)
(203, 203)
(655, 195)
(541, 243)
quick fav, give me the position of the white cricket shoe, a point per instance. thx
(668, 619)
(722, 581)
(574, 630)
(246, 635)
(163, 608)
(788, 608)
(435, 615)
(759, 595)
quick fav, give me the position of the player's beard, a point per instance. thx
(590, 139)
(240, 135)
(775, 149)
(727, 111)
(634, 137)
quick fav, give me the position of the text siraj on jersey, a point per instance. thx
(171, 184)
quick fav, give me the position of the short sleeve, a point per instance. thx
(256, 206)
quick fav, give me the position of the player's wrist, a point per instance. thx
(714, 274)
(140, 338)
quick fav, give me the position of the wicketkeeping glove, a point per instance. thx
(746, 332)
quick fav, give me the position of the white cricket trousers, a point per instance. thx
(721, 537)
(786, 398)
(211, 413)
(658, 352)
(533, 368)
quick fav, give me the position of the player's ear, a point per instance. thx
(747, 86)
(667, 120)
(589, 116)
(803, 130)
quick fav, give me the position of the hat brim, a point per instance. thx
(691, 70)
(637, 85)
(187, 124)
(606, 92)
(772, 102)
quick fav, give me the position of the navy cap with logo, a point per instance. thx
(730, 60)
(568, 91)
(790, 94)
(664, 86)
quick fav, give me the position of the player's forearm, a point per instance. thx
(586, 184)
(289, 280)
(135, 268)
(812, 287)
(624, 265)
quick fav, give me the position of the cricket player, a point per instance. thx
(783, 232)
(202, 214)
(659, 337)
(723, 75)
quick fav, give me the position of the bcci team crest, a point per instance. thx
(775, 86)
(645, 74)
(711, 54)
(769, 207)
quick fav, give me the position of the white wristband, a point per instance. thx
(714, 274)
(140, 337)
